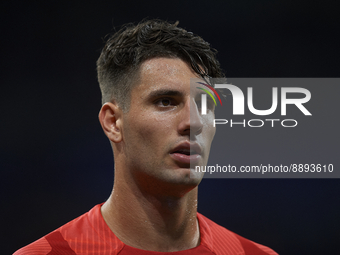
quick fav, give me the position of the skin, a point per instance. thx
(153, 204)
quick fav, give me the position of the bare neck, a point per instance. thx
(152, 222)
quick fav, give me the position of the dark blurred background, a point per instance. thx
(55, 161)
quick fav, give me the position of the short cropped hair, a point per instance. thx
(127, 49)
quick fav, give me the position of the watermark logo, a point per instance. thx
(302, 96)
(204, 96)
(238, 99)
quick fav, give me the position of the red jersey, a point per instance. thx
(89, 234)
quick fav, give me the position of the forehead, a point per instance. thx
(165, 72)
(165, 66)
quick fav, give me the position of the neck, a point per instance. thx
(152, 222)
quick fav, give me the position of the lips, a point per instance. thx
(187, 153)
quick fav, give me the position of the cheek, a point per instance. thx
(208, 127)
(146, 142)
(138, 143)
(146, 131)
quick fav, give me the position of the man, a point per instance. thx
(151, 116)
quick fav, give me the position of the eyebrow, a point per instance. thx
(165, 92)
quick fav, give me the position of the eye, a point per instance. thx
(210, 104)
(165, 102)
(199, 104)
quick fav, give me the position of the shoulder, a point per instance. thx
(224, 239)
(66, 238)
(39, 247)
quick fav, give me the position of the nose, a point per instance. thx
(191, 123)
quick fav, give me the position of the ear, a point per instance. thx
(110, 117)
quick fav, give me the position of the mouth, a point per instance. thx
(187, 153)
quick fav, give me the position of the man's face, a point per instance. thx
(163, 131)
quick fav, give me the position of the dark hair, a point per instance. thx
(128, 48)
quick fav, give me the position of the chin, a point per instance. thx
(186, 177)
